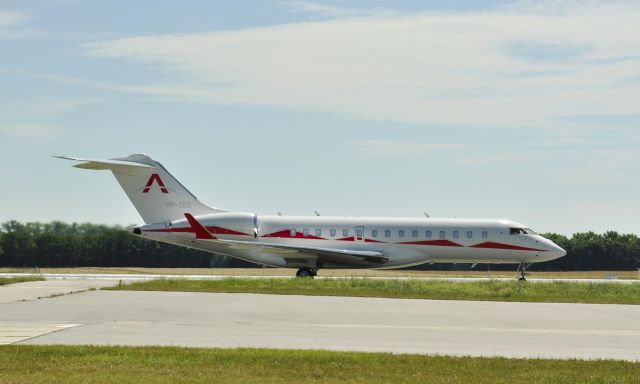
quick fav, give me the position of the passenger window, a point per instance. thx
(456, 234)
(332, 232)
(305, 232)
(401, 233)
(374, 233)
(469, 234)
(293, 233)
(428, 233)
(387, 233)
(414, 233)
(318, 232)
(345, 232)
(442, 235)
(485, 234)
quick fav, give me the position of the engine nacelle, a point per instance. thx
(230, 223)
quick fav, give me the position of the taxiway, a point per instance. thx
(590, 331)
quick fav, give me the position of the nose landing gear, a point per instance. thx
(521, 273)
(307, 272)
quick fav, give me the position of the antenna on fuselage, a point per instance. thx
(279, 213)
(316, 212)
(426, 214)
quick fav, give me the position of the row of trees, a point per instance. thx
(58, 244)
(593, 251)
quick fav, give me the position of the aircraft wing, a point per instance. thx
(292, 253)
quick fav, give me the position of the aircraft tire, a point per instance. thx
(305, 272)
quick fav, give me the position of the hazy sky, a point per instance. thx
(526, 110)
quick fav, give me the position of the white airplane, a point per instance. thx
(173, 215)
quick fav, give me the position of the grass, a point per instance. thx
(81, 364)
(22, 279)
(632, 274)
(492, 290)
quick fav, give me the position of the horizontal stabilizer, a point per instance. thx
(113, 165)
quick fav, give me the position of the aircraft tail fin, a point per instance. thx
(155, 193)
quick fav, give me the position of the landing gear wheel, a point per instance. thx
(306, 272)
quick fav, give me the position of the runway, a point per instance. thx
(140, 277)
(590, 331)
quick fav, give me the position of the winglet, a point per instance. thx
(201, 232)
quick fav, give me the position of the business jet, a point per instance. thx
(174, 215)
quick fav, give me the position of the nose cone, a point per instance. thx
(556, 251)
(552, 250)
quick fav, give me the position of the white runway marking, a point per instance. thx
(15, 332)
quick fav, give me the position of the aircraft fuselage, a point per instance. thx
(405, 241)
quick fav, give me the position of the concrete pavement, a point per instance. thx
(34, 290)
(338, 323)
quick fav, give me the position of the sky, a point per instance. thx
(526, 110)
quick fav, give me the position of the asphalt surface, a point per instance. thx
(590, 331)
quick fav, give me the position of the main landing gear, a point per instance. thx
(307, 272)
(522, 271)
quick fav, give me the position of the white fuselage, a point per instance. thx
(174, 215)
(404, 241)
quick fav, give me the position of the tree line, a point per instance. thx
(59, 244)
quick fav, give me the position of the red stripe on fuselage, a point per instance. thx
(212, 229)
(492, 245)
(286, 234)
(225, 231)
(436, 243)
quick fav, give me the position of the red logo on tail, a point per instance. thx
(155, 177)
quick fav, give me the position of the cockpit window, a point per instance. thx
(531, 231)
(517, 231)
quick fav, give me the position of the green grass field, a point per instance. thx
(559, 292)
(13, 280)
(82, 364)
